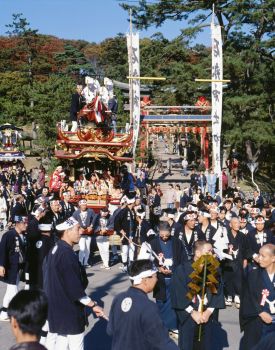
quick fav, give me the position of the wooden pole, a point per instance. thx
(131, 71)
(146, 78)
(203, 293)
(213, 80)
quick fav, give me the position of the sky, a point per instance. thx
(90, 20)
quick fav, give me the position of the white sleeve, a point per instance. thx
(189, 309)
(85, 300)
(211, 309)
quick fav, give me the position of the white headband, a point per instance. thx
(171, 216)
(260, 221)
(82, 201)
(141, 215)
(69, 223)
(138, 278)
(45, 227)
(192, 208)
(130, 200)
(203, 213)
(190, 217)
(255, 211)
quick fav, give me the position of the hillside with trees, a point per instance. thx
(39, 72)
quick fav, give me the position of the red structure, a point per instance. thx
(97, 143)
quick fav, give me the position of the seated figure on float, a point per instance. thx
(97, 97)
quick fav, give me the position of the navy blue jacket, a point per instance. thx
(135, 323)
(253, 246)
(160, 288)
(123, 221)
(12, 255)
(64, 285)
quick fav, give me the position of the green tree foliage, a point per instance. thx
(248, 62)
(14, 98)
(73, 61)
(248, 35)
(26, 42)
(51, 104)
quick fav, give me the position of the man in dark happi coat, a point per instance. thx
(189, 234)
(233, 269)
(257, 312)
(170, 255)
(125, 225)
(64, 284)
(67, 208)
(188, 315)
(134, 321)
(258, 237)
(12, 260)
(144, 232)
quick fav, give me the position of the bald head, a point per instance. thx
(267, 257)
(269, 248)
(202, 248)
(235, 224)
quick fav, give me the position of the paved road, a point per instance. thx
(103, 286)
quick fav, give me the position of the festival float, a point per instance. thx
(10, 153)
(95, 145)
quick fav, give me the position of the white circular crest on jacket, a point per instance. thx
(38, 244)
(126, 304)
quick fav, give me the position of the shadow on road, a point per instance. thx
(97, 338)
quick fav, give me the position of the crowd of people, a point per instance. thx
(152, 236)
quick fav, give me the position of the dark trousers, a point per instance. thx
(189, 335)
(232, 280)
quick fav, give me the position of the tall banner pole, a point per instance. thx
(216, 95)
(134, 84)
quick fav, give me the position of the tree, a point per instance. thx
(51, 104)
(73, 61)
(248, 29)
(27, 41)
(14, 98)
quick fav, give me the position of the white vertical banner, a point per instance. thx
(134, 86)
(216, 91)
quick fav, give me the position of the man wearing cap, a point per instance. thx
(84, 217)
(258, 237)
(103, 224)
(64, 284)
(12, 260)
(134, 321)
(125, 225)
